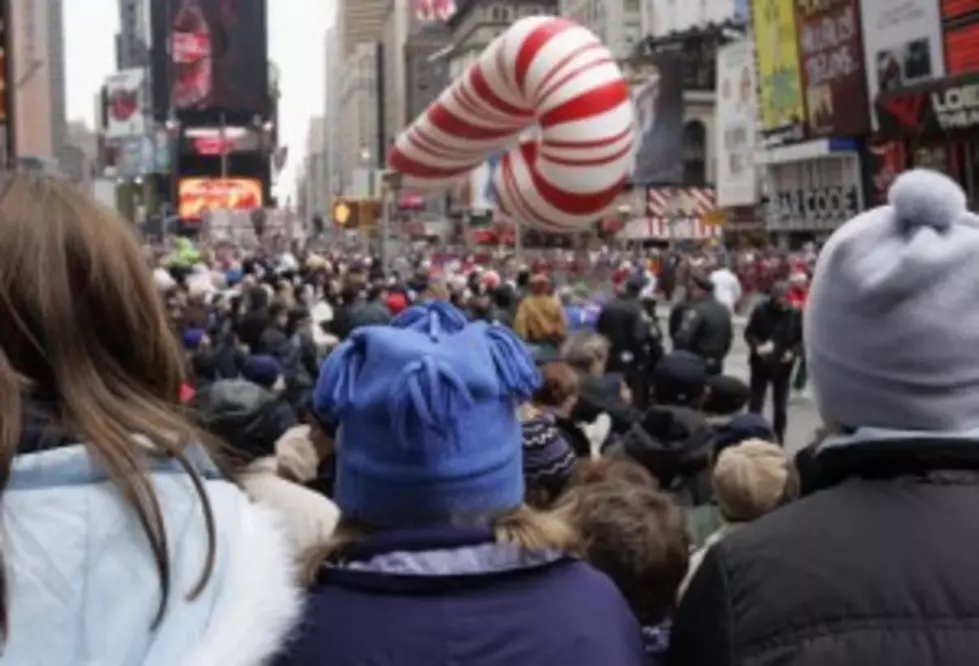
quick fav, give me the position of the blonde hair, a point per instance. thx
(751, 479)
(524, 527)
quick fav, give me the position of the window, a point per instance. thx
(694, 153)
(632, 5)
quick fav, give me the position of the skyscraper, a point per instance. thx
(133, 40)
(361, 21)
(39, 82)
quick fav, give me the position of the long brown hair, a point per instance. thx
(82, 326)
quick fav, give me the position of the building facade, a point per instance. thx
(476, 23)
(133, 39)
(617, 23)
(39, 79)
(398, 24)
(331, 110)
(316, 197)
(359, 117)
(360, 21)
(426, 74)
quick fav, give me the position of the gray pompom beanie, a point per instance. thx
(892, 321)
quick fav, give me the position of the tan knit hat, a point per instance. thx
(751, 479)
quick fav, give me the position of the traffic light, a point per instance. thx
(346, 213)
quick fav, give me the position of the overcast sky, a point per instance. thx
(296, 29)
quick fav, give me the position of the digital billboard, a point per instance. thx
(218, 56)
(196, 195)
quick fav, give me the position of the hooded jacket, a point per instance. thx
(675, 444)
(439, 597)
(83, 588)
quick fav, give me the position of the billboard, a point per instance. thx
(196, 195)
(218, 59)
(124, 104)
(780, 100)
(831, 55)
(659, 114)
(901, 48)
(211, 141)
(735, 125)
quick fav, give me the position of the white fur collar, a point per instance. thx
(259, 601)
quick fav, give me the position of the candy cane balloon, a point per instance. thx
(545, 71)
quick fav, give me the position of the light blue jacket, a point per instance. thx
(83, 588)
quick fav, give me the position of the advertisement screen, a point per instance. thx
(199, 194)
(218, 57)
(781, 102)
(209, 141)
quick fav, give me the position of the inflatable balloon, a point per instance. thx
(553, 79)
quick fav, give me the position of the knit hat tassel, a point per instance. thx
(515, 367)
(426, 399)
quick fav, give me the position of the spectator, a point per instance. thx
(430, 485)
(749, 479)
(636, 536)
(548, 459)
(876, 564)
(540, 319)
(244, 416)
(120, 534)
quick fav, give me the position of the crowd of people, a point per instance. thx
(216, 457)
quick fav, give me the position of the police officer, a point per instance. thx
(774, 337)
(633, 337)
(702, 325)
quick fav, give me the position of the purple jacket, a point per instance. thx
(454, 597)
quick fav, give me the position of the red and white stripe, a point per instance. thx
(544, 71)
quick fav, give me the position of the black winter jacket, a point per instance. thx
(876, 567)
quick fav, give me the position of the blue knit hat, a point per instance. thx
(193, 337)
(262, 370)
(428, 427)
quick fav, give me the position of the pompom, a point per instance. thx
(433, 319)
(425, 402)
(925, 198)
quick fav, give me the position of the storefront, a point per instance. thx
(812, 188)
(674, 214)
(936, 126)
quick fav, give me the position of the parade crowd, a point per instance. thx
(212, 456)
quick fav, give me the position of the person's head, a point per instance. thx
(428, 430)
(548, 459)
(752, 478)
(680, 379)
(700, 287)
(83, 328)
(637, 537)
(634, 285)
(350, 292)
(558, 392)
(265, 371)
(586, 352)
(429, 383)
(892, 322)
(612, 470)
(239, 413)
(540, 285)
(779, 294)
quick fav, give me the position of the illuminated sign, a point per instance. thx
(199, 194)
